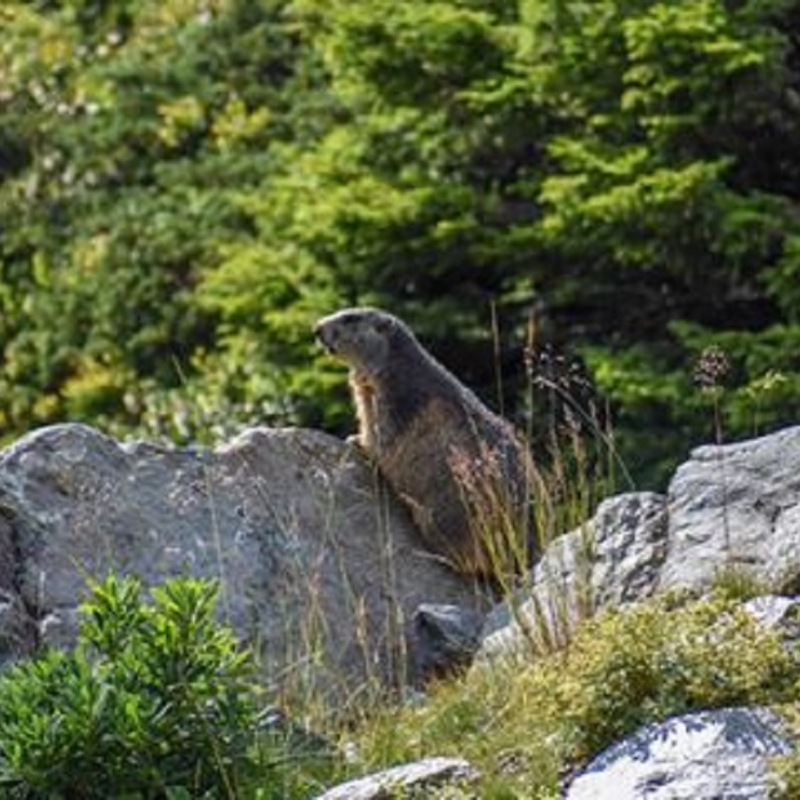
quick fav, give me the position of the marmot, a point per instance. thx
(462, 470)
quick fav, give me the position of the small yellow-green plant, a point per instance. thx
(740, 582)
(785, 770)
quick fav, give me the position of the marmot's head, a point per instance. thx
(361, 337)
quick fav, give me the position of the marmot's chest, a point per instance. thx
(405, 410)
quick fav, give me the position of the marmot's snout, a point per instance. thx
(323, 335)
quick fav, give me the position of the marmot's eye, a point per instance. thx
(349, 319)
(384, 325)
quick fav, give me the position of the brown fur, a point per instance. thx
(460, 468)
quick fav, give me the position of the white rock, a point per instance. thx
(399, 781)
(709, 755)
(737, 505)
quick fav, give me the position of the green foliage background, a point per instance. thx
(185, 185)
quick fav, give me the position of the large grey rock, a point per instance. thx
(17, 633)
(405, 781)
(320, 568)
(736, 505)
(614, 558)
(710, 755)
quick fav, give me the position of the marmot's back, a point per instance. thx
(460, 468)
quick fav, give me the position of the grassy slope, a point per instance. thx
(529, 721)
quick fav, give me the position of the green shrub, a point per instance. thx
(155, 701)
(647, 663)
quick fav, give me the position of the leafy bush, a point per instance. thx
(156, 700)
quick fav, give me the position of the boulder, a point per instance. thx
(614, 558)
(709, 755)
(405, 781)
(320, 568)
(738, 506)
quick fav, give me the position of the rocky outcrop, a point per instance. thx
(320, 569)
(301, 532)
(736, 505)
(419, 779)
(614, 558)
(710, 755)
(732, 508)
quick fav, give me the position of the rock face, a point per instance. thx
(320, 568)
(737, 504)
(614, 558)
(406, 780)
(734, 507)
(710, 755)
